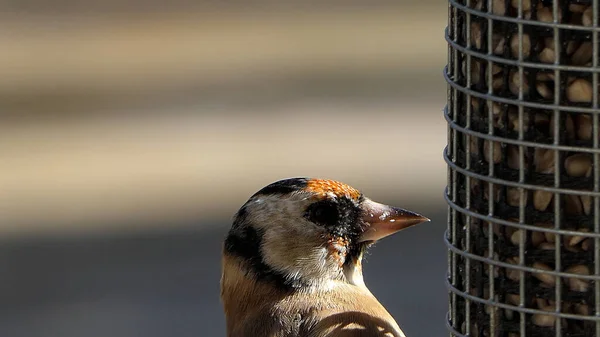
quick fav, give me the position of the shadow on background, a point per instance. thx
(133, 131)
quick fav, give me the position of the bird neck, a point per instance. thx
(242, 291)
(240, 285)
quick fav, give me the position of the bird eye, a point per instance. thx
(324, 213)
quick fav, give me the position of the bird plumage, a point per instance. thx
(292, 262)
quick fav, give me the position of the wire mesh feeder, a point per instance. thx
(523, 156)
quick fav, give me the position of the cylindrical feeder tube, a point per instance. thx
(523, 159)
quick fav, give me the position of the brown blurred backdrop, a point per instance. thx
(132, 131)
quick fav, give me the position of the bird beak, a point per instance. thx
(382, 220)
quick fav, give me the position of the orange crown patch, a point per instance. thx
(322, 187)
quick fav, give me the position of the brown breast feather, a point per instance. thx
(256, 308)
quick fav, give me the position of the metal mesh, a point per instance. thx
(523, 168)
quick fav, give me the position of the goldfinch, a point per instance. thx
(292, 262)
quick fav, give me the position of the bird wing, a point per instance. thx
(356, 324)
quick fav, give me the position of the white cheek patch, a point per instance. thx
(291, 244)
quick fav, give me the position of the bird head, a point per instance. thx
(308, 233)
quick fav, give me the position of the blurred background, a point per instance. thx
(132, 130)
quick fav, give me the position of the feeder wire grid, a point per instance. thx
(523, 161)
